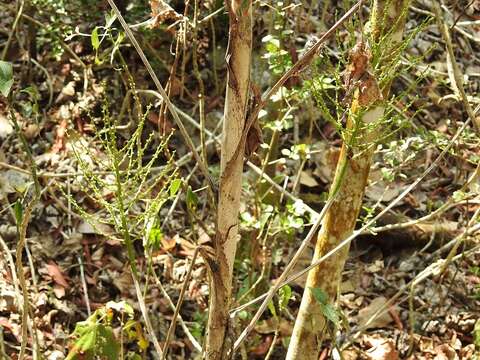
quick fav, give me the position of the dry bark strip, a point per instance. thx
(238, 60)
(352, 174)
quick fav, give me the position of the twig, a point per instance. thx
(12, 31)
(267, 296)
(190, 337)
(164, 96)
(62, 43)
(432, 269)
(171, 329)
(252, 166)
(449, 204)
(84, 285)
(457, 74)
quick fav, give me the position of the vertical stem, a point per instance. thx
(238, 58)
(201, 87)
(366, 110)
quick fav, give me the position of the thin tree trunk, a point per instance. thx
(238, 59)
(349, 182)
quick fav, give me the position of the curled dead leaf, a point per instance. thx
(162, 12)
(381, 349)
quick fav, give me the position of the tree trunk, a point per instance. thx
(238, 59)
(350, 179)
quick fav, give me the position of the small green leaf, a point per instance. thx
(319, 295)
(95, 40)
(272, 309)
(174, 186)
(155, 238)
(330, 313)
(192, 199)
(6, 77)
(285, 294)
(110, 19)
(328, 310)
(18, 209)
(95, 340)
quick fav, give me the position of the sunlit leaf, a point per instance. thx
(18, 210)
(6, 77)
(285, 294)
(174, 186)
(95, 40)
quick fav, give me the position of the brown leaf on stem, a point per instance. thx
(255, 136)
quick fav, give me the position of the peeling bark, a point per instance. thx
(349, 182)
(238, 60)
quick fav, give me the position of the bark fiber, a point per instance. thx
(238, 60)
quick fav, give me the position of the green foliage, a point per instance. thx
(140, 190)
(94, 340)
(95, 337)
(6, 77)
(284, 296)
(18, 210)
(278, 59)
(327, 309)
(191, 199)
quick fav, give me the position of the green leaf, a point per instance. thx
(18, 209)
(155, 238)
(285, 294)
(330, 313)
(95, 340)
(319, 295)
(272, 309)
(95, 40)
(476, 335)
(192, 199)
(174, 186)
(328, 310)
(32, 91)
(6, 77)
(110, 19)
(107, 344)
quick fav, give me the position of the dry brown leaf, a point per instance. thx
(60, 137)
(5, 127)
(56, 273)
(381, 349)
(366, 313)
(262, 348)
(307, 179)
(162, 12)
(445, 352)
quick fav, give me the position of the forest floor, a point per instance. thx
(399, 298)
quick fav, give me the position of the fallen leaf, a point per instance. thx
(5, 127)
(59, 291)
(307, 179)
(445, 352)
(56, 274)
(91, 227)
(366, 313)
(60, 137)
(381, 349)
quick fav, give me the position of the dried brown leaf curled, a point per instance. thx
(162, 12)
